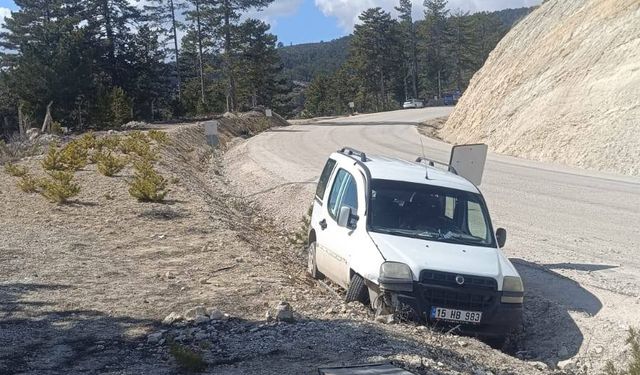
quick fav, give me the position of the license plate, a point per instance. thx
(454, 315)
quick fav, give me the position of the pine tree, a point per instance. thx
(162, 14)
(259, 63)
(462, 48)
(409, 45)
(435, 36)
(375, 54)
(229, 12)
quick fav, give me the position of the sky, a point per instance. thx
(305, 21)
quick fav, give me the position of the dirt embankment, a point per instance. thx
(562, 86)
(84, 287)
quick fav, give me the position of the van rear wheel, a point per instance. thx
(358, 290)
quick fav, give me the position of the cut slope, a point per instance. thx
(562, 86)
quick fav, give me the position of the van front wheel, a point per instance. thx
(358, 290)
(312, 265)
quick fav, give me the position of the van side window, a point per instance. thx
(324, 178)
(344, 192)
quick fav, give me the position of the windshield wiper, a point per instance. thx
(406, 233)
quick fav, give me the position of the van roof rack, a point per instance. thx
(432, 163)
(353, 152)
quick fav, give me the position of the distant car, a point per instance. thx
(413, 103)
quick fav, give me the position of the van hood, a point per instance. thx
(421, 254)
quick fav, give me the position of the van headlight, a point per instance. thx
(395, 276)
(512, 290)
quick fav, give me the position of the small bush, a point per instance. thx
(59, 187)
(634, 366)
(159, 136)
(111, 143)
(147, 184)
(138, 145)
(29, 184)
(187, 358)
(53, 161)
(15, 170)
(74, 156)
(88, 141)
(109, 165)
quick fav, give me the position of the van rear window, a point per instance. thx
(324, 178)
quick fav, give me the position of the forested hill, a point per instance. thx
(302, 62)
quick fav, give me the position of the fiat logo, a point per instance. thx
(459, 280)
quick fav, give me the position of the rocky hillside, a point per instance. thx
(562, 86)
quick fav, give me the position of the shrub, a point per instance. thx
(53, 161)
(187, 358)
(59, 187)
(634, 366)
(111, 143)
(109, 165)
(15, 170)
(74, 156)
(159, 136)
(147, 184)
(29, 184)
(87, 141)
(135, 144)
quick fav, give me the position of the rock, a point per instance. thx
(170, 275)
(201, 336)
(539, 365)
(193, 313)
(599, 349)
(282, 313)
(463, 343)
(172, 318)
(567, 365)
(386, 318)
(204, 281)
(229, 115)
(199, 319)
(563, 352)
(154, 338)
(215, 314)
(33, 133)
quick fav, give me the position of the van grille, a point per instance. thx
(449, 279)
(461, 300)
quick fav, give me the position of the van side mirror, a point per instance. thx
(346, 218)
(501, 236)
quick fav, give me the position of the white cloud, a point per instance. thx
(279, 8)
(4, 13)
(347, 11)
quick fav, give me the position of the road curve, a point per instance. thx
(573, 224)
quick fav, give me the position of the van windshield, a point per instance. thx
(430, 212)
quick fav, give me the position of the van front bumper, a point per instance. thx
(498, 319)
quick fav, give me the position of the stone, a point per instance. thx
(200, 319)
(566, 365)
(172, 318)
(539, 365)
(599, 349)
(463, 343)
(33, 133)
(215, 314)
(282, 313)
(191, 314)
(385, 319)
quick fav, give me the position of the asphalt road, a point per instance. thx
(574, 234)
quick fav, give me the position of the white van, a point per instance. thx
(413, 238)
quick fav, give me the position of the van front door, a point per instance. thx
(333, 243)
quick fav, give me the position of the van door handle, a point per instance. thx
(323, 224)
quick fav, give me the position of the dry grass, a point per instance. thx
(187, 358)
(633, 368)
